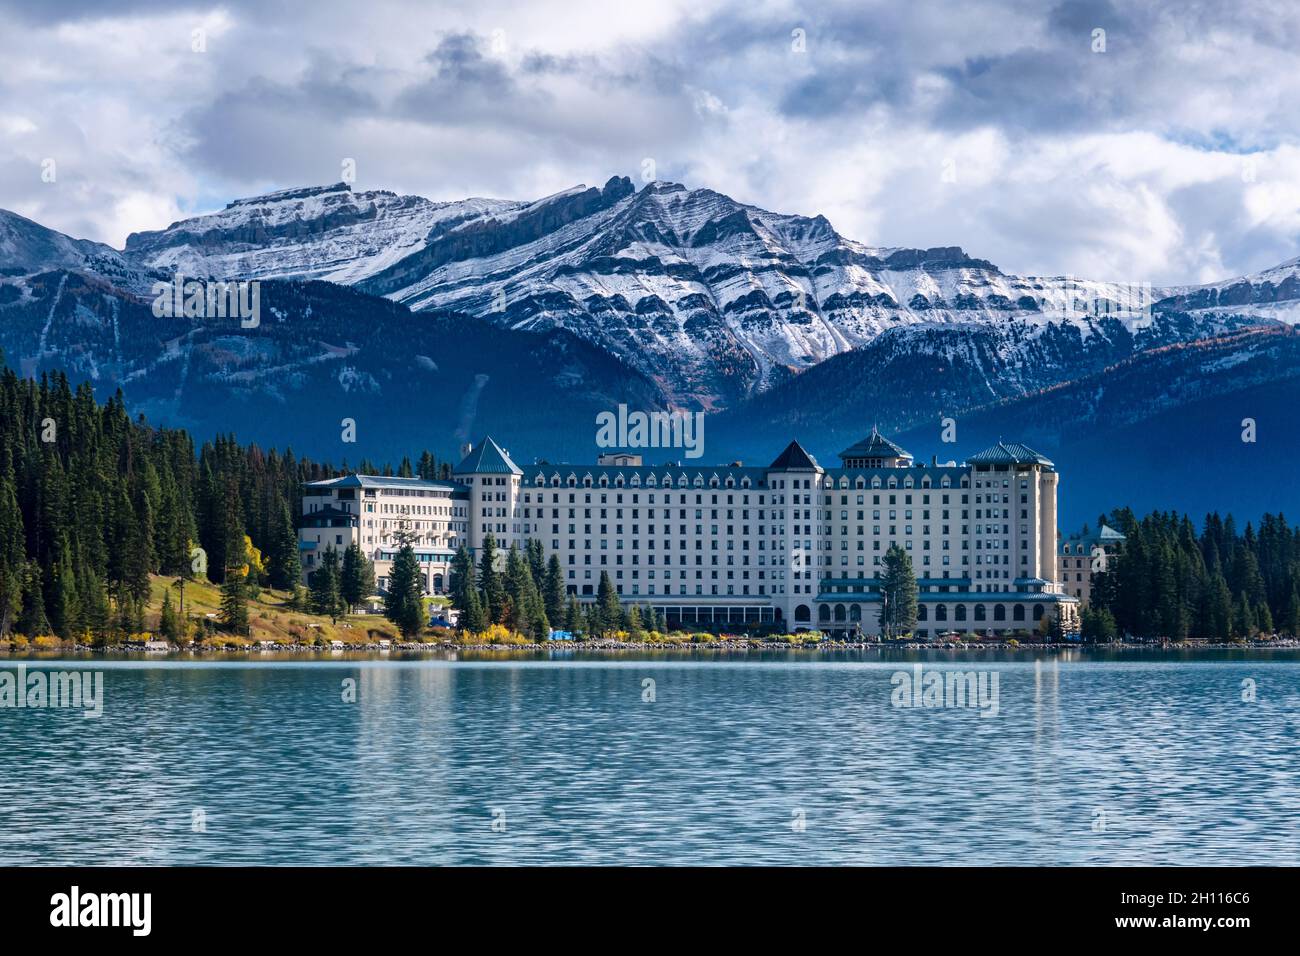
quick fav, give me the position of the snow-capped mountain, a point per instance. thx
(713, 299)
(323, 232)
(527, 318)
(28, 248)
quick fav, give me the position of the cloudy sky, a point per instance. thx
(1163, 149)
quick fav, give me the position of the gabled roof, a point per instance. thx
(1009, 453)
(794, 457)
(378, 481)
(875, 445)
(487, 458)
(1102, 535)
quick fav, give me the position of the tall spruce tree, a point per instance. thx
(609, 612)
(358, 576)
(33, 621)
(285, 568)
(234, 589)
(490, 582)
(326, 586)
(553, 590)
(472, 617)
(403, 605)
(899, 593)
(463, 582)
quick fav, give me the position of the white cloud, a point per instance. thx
(1066, 161)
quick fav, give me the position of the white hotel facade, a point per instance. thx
(793, 545)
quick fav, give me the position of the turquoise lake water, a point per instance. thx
(773, 759)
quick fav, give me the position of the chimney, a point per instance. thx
(465, 449)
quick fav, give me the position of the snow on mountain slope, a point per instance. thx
(1273, 291)
(325, 232)
(28, 248)
(713, 299)
(716, 299)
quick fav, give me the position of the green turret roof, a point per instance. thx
(794, 457)
(875, 445)
(1009, 453)
(487, 458)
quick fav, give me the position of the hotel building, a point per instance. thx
(793, 545)
(1085, 555)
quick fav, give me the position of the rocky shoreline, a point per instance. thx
(685, 647)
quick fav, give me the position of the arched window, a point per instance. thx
(1038, 612)
(855, 612)
(802, 614)
(980, 613)
(922, 612)
(1018, 612)
(999, 612)
(839, 612)
(824, 612)
(941, 612)
(961, 612)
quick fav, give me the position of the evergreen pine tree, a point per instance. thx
(472, 618)
(536, 556)
(285, 569)
(33, 621)
(234, 589)
(553, 590)
(517, 585)
(1243, 618)
(403, 605)
(1263, 618)
(1289, 624)
(490, 583)
(573, 620)
(462, 580)
(326, 598)
(358, 576)
(63, 610)
(169, 623)
(898, 589)
(609, 612)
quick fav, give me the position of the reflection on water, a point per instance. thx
(775, 758)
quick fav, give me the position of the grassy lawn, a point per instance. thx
(269, 617)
